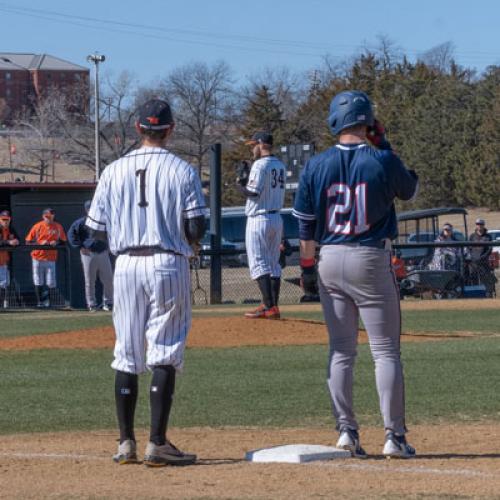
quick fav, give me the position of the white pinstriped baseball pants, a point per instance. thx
(262, 242)
(152, 311)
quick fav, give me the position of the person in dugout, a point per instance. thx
(8, 237)
(51, 233)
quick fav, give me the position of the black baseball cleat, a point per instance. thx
(166, 454)
(349, 440)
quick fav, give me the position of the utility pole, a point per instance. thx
(96, 59)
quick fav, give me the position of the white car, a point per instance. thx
(495, 236)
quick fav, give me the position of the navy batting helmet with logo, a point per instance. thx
(350, 108)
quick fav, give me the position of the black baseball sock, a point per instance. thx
(160, 399)
(53, 296)
(276, 286)
(38, 294)
(126, 398)
(266, 290)
(3, 294)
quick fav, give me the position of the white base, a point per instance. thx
(296, 453)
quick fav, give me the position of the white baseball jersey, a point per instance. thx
(169, 190)
(142, 200)
(267, 178)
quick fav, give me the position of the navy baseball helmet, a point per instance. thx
(350, 108)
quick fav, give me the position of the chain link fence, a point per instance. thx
(423, 270)
(17, 290)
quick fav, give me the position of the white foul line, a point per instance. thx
(52, 455)
(358, 466)
(413, 470)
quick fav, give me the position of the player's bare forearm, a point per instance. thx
(307, 249)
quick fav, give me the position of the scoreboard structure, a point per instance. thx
(295, 156)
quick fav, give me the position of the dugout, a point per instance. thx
(26, 202)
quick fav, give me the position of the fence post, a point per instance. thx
(215, 224)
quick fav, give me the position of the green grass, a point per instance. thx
(481, 321)
(15, 324)
(262, 386)
(25, 323)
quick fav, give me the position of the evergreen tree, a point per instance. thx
(260, 111)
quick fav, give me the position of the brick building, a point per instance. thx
(24, 78)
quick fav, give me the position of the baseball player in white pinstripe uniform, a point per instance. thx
(150, 204)
(264, 186)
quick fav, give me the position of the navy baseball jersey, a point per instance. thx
(349, 191)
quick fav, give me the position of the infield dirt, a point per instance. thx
(454, 461)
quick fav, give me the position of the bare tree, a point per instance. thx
(38, 146)
(202, 98)
(285, 86)
(439, 57)
(117, 113)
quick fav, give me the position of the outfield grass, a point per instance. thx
(443, 321)
(266, 386)
(24, 323)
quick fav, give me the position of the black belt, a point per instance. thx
(145, 251)
(269, 212)
(371, 244)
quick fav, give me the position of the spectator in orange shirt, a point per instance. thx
(8, 237)
(45, 232)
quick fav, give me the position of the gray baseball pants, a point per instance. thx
(94, 265)
(358, 281)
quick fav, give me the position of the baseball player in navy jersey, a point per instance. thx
(345, 202)
(264, 186)
(150, 204)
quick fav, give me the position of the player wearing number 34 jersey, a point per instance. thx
(345, 202)
(264, 188)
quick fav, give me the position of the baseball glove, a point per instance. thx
(243, 172)
(376, 135)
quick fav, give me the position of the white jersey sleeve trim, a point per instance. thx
(256, 191)
(95, 224)
(301, 215)
(191, 213)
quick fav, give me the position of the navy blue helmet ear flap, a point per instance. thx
(350, 108)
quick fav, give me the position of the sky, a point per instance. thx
(151, 37)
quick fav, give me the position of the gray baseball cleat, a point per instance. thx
(349, 440)
(166, 454)
(127, 453)
(396, 446)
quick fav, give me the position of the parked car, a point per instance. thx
(495, 236)
(233, 224)
(236, 259)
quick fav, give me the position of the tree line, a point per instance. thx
(442, 119)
